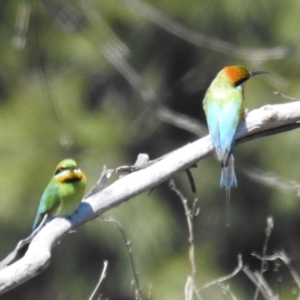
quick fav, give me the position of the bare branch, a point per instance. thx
(136, 285)
(263, 267)
(286, 96)
(150, 291)
(199, 39)
(102, 276)
(224, 278)
(148, 95)
(141, 163)
(104, 32)
(21, 25)
(190, 289)
(259, 281)
(267, 120)
(287, 261)
(99, 186)
(22, 246)
(271, 179)
(181, 121)
(226, 290)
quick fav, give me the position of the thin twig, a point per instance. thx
(226, 290)
(191, 180)
(100, 184)
(102, 276)
(199, 39)
(286, 260)
(150, 291)
(21, 25)
(104, 31)
(286, 96)
(259, 281)
(190, 214)
(181, 121)
(196, 293)
(263, 267)
(224, 278)
(137, 289)
(265, 287)
(283, 256)
(271, 179)
(148, 95)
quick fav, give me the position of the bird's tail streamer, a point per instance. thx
(227, 207)
(228, 180)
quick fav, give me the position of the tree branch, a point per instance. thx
(270, 119)
(199, 39)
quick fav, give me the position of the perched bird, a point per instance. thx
(223, 106)
(63, 193)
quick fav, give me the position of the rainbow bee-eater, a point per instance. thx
(64, 192)
(223, 106)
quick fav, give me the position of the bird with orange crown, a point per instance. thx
(223, 106)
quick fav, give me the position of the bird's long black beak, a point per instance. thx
(254, 73)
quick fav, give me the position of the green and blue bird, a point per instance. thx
(223, 106)
(64, 192)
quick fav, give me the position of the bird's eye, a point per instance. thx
(59, 170)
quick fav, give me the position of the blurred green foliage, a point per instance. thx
(61, 97)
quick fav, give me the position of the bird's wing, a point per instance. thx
(48, 203)
(223, 114)
(213, 110)
(228, 121)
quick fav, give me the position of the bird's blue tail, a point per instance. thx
(228, 178)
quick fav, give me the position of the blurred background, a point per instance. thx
(101, 82)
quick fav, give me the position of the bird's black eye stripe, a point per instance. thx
(241, 81)
(61, 169)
